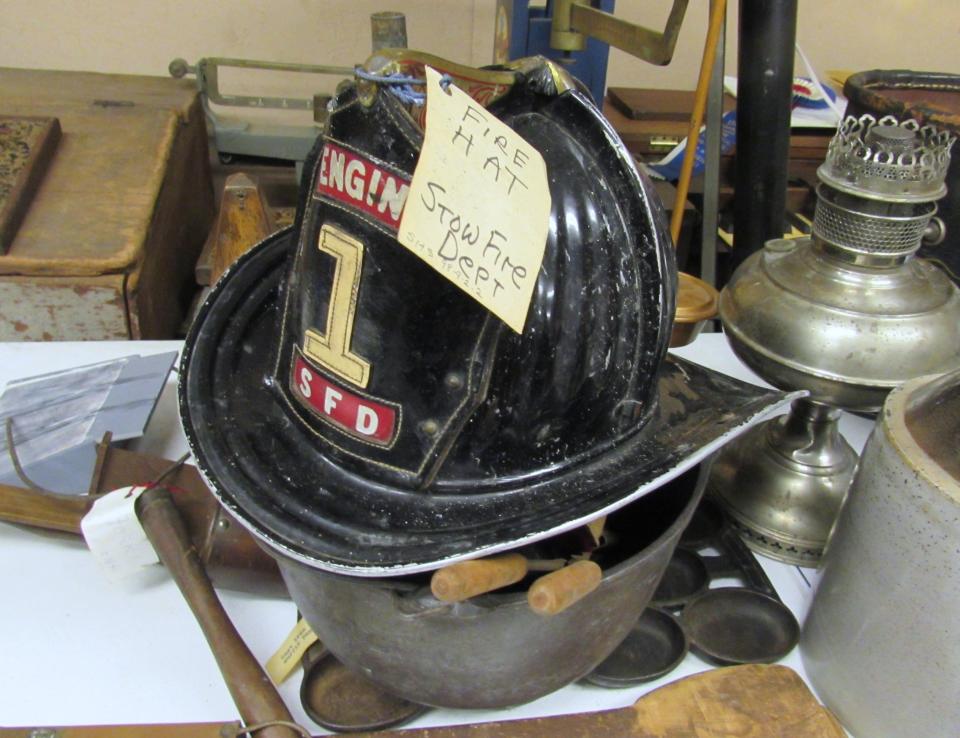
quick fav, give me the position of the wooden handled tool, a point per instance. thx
(734, 702)
(466, 579)
(555, 592)
(174, 730)
(549, 595)
(552, 594)
(255, 696)
(717, 16)
(229, 553)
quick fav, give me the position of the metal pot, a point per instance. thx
(492, 651)
(882, 641)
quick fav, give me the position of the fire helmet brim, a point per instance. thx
(264, 468)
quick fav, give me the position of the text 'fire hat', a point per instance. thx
(359, 412)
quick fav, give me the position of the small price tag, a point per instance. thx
(478, 209)
(114, 535)
(285, 660)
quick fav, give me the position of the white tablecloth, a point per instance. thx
(76, 649)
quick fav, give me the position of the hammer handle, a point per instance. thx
(256, 698)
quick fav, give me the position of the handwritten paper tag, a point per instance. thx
(478, 209)
(114, 535)
(282, 663)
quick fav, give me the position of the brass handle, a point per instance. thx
(574, 21)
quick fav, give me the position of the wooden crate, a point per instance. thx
(107, 246)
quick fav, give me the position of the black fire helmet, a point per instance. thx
(361, 413)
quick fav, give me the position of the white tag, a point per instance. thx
(114, 535)
(478, 209)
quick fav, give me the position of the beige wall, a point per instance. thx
(834, 34)
(143, 36)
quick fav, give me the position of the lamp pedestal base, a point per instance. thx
(783, 482)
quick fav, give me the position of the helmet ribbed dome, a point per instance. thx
(440, 432)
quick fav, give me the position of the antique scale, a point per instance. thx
(847, 314)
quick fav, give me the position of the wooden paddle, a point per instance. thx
(749, 701)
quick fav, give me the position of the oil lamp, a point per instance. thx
(846, 314)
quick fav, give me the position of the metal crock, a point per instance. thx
(882, 641)
(492, 651)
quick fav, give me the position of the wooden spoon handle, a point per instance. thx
(466, 579)
(256, 698)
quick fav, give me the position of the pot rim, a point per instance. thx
(419, 600)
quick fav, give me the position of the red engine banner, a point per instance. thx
(361, 183)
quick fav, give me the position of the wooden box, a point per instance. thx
(107, 246)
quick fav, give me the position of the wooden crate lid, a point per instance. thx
(93, 209)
